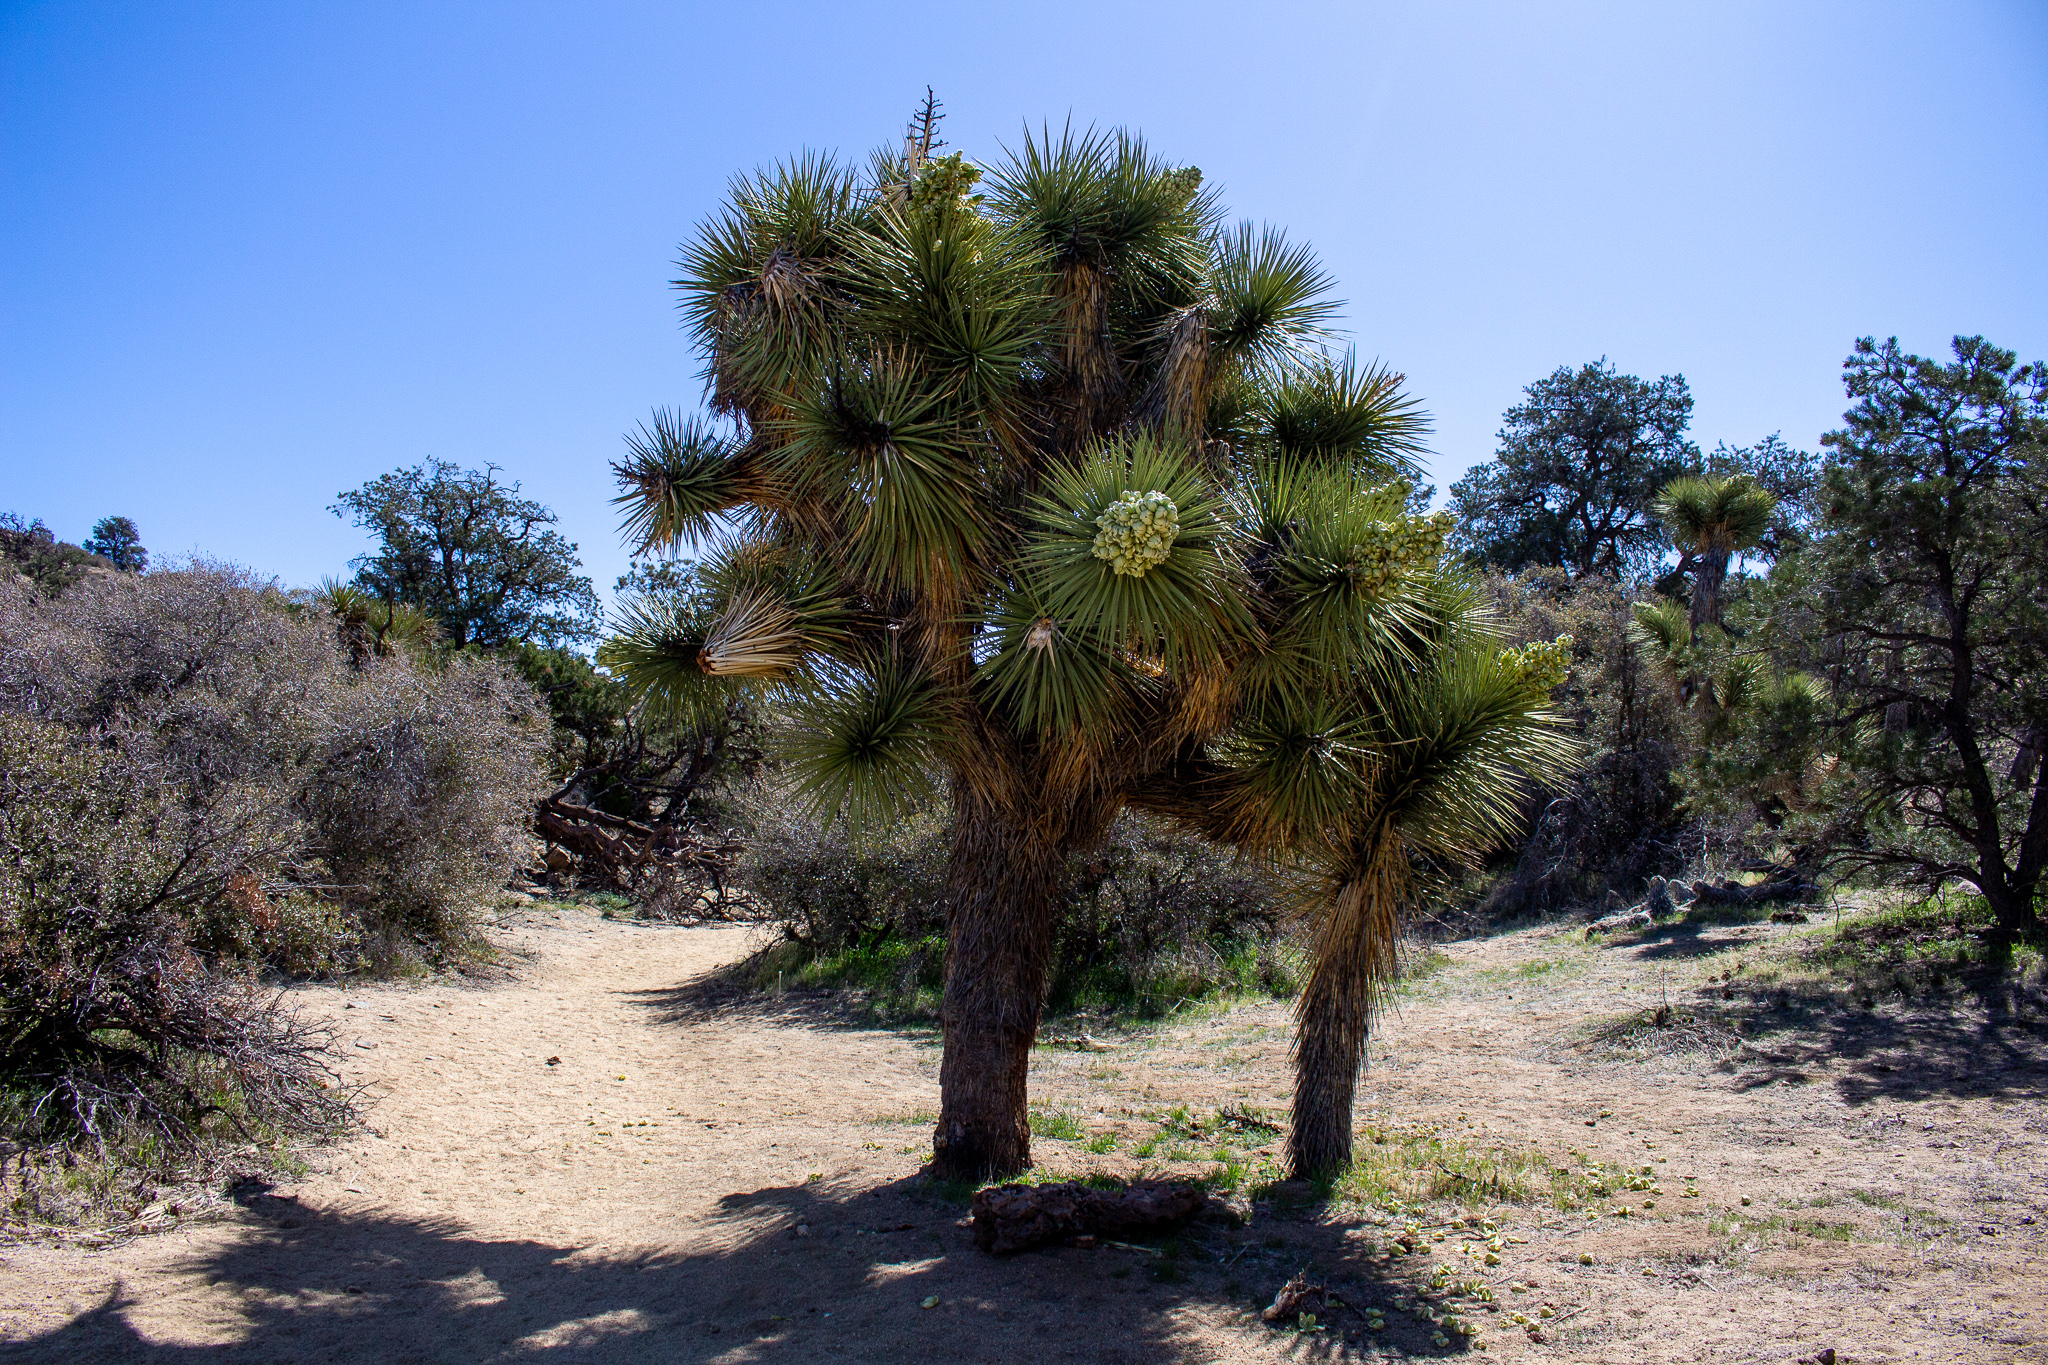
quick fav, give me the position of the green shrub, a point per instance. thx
(1152, 916)
(393, 793)
(197, 783)
(111, 1027)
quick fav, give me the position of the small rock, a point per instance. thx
(931, 1302)
(554, 1061)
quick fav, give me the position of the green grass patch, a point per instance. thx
(1934, 946)
(902, 981)
(1056, 1123)
(916, 1117)
(1396, 1168)
(899, 981)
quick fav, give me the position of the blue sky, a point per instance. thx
(252, 255)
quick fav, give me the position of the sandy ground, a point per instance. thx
(700, 1177)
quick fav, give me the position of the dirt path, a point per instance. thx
(704, 1178)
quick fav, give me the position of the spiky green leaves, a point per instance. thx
(1337, 564)
(867, 743)
(778, 615)
(1182, 607)
(654, 648)
(1715, 515)
(964, 294)
(1049, 679)
(676, 479)
(1662, 625)
(1075, 633)
(1456, 743)
(1270, 297)
(758, 283)
(876, 444)
(1295, 771)
(1137, 532)
(1330, 411)
(1101, 202)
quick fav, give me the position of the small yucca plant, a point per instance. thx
(1050, 492)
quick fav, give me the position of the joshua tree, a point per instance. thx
(1049, 494)
(1709, 520)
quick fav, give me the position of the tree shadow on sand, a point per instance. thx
(807, 1272)
(1962, 1050)
(716, 996)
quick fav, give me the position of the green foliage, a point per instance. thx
(1790, 476)
(677, 475)
(1621, 817)
(468, 550)
(1058, 1124)
(1704, 514)
(1180, 607)
(116, 540)
(1927, 613)
(366, 627)
(1579, 466)
(32, 549)
(1331, 412)
(1151, 917)
(1710, 519)
(869, 747)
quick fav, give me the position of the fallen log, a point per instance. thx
(1728, 893)
(1627, 919)
(621, 847)
(1010, 1218)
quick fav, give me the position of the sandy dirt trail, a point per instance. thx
(702, 1177)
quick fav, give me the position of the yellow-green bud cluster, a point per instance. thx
(1405, 541)
(1543, 663)
(1136, 532)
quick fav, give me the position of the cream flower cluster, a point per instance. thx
(1543, 663)
(1137, 532)
(1407, 540)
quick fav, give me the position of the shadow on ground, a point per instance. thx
(1960, 1048)
(301, 1285)
(717, 996)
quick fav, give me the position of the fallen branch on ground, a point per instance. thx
(1011, 1218)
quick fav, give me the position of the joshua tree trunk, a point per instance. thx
(1002, 901)
(1354, 962)
(1709, 573)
